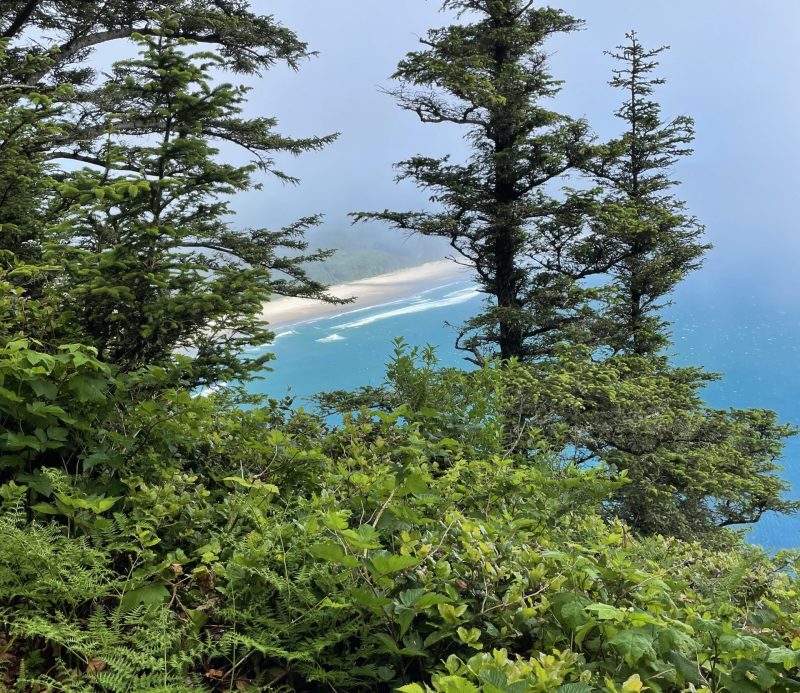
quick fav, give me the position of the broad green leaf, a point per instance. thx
(451, 614)
(749, 671)
(388, 564)
(21, 441)
(688, 670)
(100, 505)
(44, 389)
(365, 537)
(633, 645)
(239, 481)
(36, 358)
(148, 595)
(10, 396)
(468, 636)
(574, 688)
(45, 509)
(606, 612)
(783, 655)
(494, 678)
(369, 599)
(405, 617)
(88, 388)
(455, 684)
(570, 609)
(415, 484)
(410, 597)
(334, 553)
(431, 599)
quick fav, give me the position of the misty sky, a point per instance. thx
(733, 66)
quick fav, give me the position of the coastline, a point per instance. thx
(367, 293)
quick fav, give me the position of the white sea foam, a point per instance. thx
(439, 288)
(399, 301)
(454, 298)
(285, 334)
(331, 338)
(362, 310)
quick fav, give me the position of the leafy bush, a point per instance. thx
(158, 541)
(218, 548)
(692, 469)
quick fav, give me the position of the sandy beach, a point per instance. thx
(365, 292)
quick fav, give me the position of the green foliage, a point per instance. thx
(368, 557)
(50, 401)
(152, 265)
(166, 542)
(28, 120)
(691, 469)
(51, 39)
(136, 249)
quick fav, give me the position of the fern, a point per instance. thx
(40, 566)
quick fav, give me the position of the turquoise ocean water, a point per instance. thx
(753, 340)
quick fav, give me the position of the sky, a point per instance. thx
(733, 66)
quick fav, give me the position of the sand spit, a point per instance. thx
(367, 293)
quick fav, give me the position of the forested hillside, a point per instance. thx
(561, 514)
(347, 265)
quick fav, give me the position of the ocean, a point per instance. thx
(753, 340)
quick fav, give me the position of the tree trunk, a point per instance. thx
(504, 226)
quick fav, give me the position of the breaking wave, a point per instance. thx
(451, 299)
(331, 338)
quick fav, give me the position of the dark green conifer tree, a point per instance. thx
(691, 467)
(47, 57)
(153, 265)
(530, 249)
(657, 242)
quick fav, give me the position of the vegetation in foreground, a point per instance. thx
(557, 520)
(155, 541)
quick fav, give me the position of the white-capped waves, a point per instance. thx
(331, 338)
(451, 299)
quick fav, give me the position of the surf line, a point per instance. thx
(421, 307)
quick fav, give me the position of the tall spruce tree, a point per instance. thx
(691, 467)
(530, 248)
(48, 48)
(657, 242)
(137, 247)
(153, 267)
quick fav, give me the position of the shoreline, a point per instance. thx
(367, 293)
